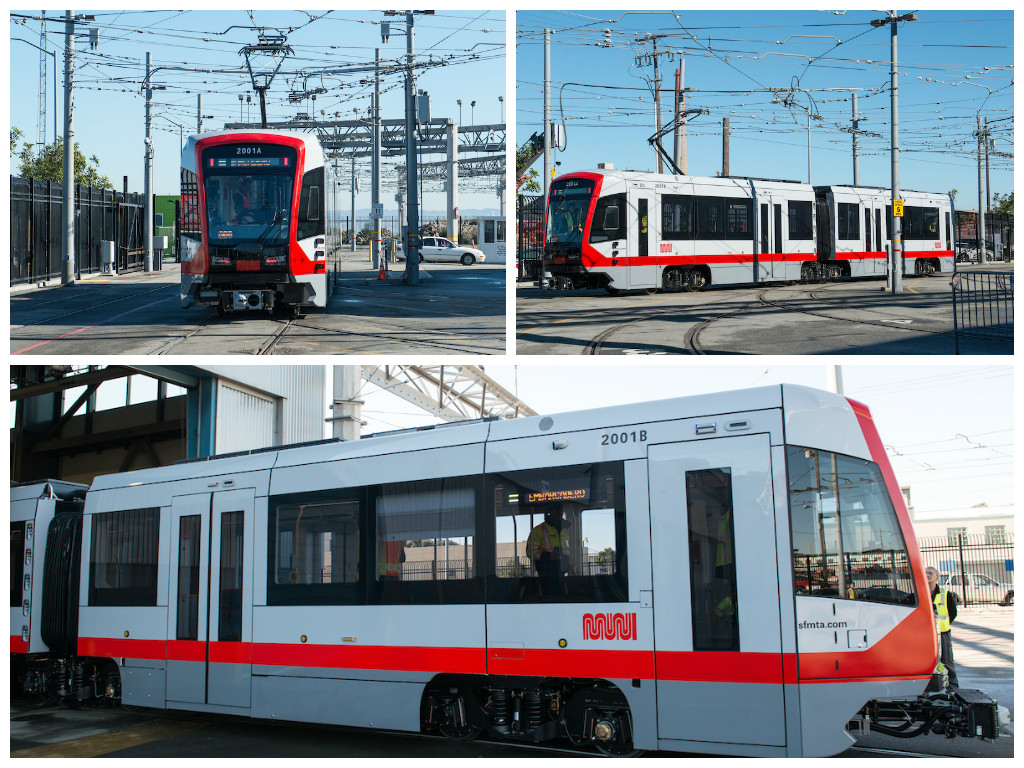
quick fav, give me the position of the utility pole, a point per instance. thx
(725, 146)
(67, 272)
(896, 265)
(352, 235)
(981, 197)
(375, 254)
(148, 173)
(547, 111)
(199, 113)
(41, 128)
(856, 142)
(679, 132)
(988, 185)
(657, 82)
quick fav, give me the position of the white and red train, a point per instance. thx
(254, 215)
(732, 573)
(628, 230)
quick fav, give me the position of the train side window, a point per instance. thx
(229, 624)
(846, 537)
(426, 542)
(801, 226)
(949, 233)
(711, 218)
(739, 214)
(848, 221)
(609, 221)
(315, 541)
(712, 560)
(309, 220)
(124, 557)
(560, 535)
(677, 217)
(17, 562)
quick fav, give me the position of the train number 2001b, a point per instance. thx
(617, 438)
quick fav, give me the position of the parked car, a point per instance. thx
(980, 588)
(443, 249)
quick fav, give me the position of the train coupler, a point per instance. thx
(966, 713)
(249, 300)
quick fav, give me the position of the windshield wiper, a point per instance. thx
(278, 218)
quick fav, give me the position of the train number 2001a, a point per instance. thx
(618, 438)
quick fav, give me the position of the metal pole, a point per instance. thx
(412, 250)
(856, 146)
(988, 185)
(808, 144)
(148, 173)
(547, 111)
(67, 272)
(375, 161)
(676, 112)
(981, 198)
(452, 182)
(199, 113)
(346, 410)
(352, 234)
(897, 222)
(657, 101)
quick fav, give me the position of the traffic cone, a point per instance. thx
(382, 275)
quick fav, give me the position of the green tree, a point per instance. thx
(48, 165)
(1002, 203)
(952, 194)
(16, 135)
(526, 177)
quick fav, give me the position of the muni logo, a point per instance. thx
(609, 626)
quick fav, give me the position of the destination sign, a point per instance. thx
(248, 162)
(569, 494)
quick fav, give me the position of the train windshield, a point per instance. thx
(847, 541)
(568, 204)
(248, 192)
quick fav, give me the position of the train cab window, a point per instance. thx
(801, 225)
(310, 222)
(847, 221)
(712, 560)
(124, 557)
(560, 535)
(425, 542)
(920, 223)
(609, 222)
(17, 562)
(315, 548)
(847, 541)
(677, 217)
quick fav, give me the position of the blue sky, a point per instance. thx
(110, 112)
(949, 429)
(953, 64)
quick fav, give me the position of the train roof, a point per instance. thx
(885, 190)
(313, 148)
(634, 175)
(810, 419)
(45, 489)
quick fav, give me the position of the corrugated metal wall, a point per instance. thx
(260, 406)
(245, 419)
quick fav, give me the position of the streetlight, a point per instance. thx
(472, 107)
(241, 100)
(459, 102)
(501, 103)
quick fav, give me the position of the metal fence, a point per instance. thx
(977, 568)
(998, 236)
(982, 305)
(37, 226)
(529, 234)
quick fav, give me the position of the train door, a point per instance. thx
(210, 619)
(643, 272)
(718, 637)
(769, 242)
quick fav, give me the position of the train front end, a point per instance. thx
(584, 231)
(866, 642)
(253, 216)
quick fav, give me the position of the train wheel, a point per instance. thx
(651, 291)
(695, 280)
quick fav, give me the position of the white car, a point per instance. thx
(443, 249)
(980, 588)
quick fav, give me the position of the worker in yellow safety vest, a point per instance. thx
(944, 606)
(547, 546)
